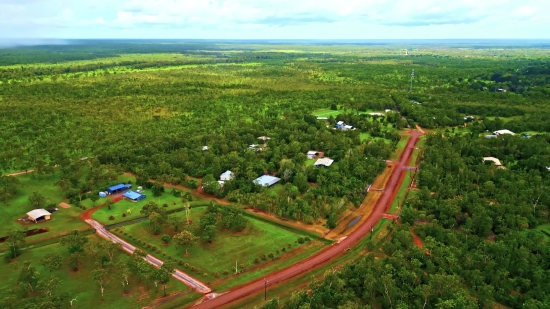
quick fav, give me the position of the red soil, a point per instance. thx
(64, 205)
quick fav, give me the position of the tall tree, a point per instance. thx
(28, 275)
(167, 268)
(16, 239)
(36, 199)
(100, 275)
(74, 241)
(51, 261)
(185, 239)
(8, 187)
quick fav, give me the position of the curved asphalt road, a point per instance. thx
(335, 249)
(179, 275)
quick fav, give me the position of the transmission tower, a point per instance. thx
(412, 79)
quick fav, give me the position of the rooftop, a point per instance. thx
(132, 195)
(324, 161)
(493, 159)
(267, 180)
(503, 132)
(37, 213)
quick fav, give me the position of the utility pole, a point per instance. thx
(236, 266)
(265, 289)
(412, 79)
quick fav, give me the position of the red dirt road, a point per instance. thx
(334, 250)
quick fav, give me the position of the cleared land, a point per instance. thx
(228, 248)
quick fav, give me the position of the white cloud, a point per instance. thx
(236, 16)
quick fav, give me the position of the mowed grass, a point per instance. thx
(401, 193)
(365, 136)
(132, 209)
(228, 248)
(62, 221)
(400, 147)
(81, 286)
(545, 228)
(327, 113)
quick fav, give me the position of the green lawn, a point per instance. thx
(81, 286)
(400, 147)
(544, 228)
(258, 238)
(401, 194)
(327, 113)
(102, 215)
(416, 152)
(363, 136)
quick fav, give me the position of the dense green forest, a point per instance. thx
(478, 225)
(149, 109)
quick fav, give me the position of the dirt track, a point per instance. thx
(331, 251)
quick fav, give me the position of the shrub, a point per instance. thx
(256, 260)
(124, 214)
(271, 255)
(186, 265)
(111, 217)
(277, 251)
(153, 247)
(164, 253)
(284, 249)
(301, 240)
(180, 262)
(217, 274)
(289, 246)
(148, 245)
(173, 202)
(83, 207)
(242, 266)
(193, 268)
(264, 257)
(307, 239)
(158, 251)
(165, 205)
(165, 238)
(225, 271)
(205, 274)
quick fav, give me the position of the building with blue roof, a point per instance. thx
(118, 188)
(267, 180)
(134, 196)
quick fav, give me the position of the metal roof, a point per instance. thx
(267, 180)
(37, 213)
(324, 161)
(132, 195)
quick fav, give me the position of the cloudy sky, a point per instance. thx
(280, 19)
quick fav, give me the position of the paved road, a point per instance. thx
(383, 202)
(179, 275)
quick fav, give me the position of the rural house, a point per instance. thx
(267, 180)
(326, 162)
(228, 175)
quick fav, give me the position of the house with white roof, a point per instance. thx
(226, 176)
(326, 162)
(494, 160)
(312, 154)
(502, 132)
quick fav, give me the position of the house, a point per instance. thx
(377, 114)
(204, 148)
(347, 127)
(264, 138)
(134, 196)
(312, 154)
(38, 214)
(494, 160)
(267, 180)
(254, 147)
(118, 188)
(228, 175)
(548, 168)
(326, 162)
(501, 132)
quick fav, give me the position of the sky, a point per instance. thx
(281, 19)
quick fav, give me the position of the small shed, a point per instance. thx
(39, 214)
(102, 194)
(312, 154)
(134, 196)
(228, 175)
(267, 180)
(204, 148)
(501, 132)
(326, 162)
(118, 188)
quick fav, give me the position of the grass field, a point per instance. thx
(545, 228)
(286, 289)
(363, 136)
(327, 112)
(80, 284)
(415, 156)
(102, 215)
(401, 194)
(400, 147)
(258, 238)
